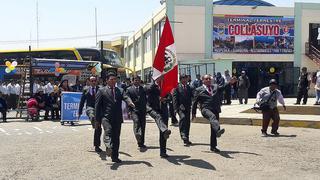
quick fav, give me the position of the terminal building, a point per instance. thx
(252, 35)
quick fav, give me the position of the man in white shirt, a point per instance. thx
(17, 89)
(49, 87)
(36, 86)
(270, 95)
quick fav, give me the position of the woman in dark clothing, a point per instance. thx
(52, 105)
(3, 107)
(41, 99)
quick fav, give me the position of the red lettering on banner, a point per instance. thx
(231, 29)
(254, 29)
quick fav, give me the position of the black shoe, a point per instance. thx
(220, 132)
(142, 146)
(164, 155)
(97, 149)
(174, 123)
(117, 160)
(72, 123)
(187, 142)
(264, 134)
(275, 133)
(296, 104)
(304, 103)
(166, 134)
(215, 149)
(108, 151)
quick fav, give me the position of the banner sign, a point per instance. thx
(253, 34)
(70, 102)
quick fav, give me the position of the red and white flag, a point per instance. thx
(165, 65)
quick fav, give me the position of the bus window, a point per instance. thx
(90, 54)
(66, 55)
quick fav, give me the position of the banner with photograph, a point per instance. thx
(253, 34)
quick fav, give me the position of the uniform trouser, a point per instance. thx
(302, 93)
(159, 120)
(97, 126)
(227, 94)
(270, 114)
(172, 114)
(162, 123)
(4, 114)
(184, 124)
(139, 126)
(213, 118)
(111, 136)
(243, 94)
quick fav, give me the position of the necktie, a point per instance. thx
(93, 91)
(185, 90)
(113, 96)
(209, 90)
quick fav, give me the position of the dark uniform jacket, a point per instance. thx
(88, 97)
(108, 107)
(182, 98)
(138, 97)
(153, 99)
(212, 102)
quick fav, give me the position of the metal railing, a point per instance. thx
(313, 53)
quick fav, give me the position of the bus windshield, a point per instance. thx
(112, 57)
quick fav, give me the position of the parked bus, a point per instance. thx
(47, 53)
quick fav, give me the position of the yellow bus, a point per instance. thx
(108, 57)
(46, 53)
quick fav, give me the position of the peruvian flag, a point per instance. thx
(165, 65)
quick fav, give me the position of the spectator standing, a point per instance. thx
(243, 87)
(227, 91)
(3, 107)
(303, 86)
(317, 88)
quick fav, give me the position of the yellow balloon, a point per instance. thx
(11, 68)
(8, 63)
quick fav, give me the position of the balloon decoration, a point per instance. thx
(11, 67)
(96, 69)
(58, 69)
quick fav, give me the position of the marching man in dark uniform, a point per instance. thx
(157, 108)
(109, 112)
(88, 97)
(182, 99)
(209, 97)
(138, 96)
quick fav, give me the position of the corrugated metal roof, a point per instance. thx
(242, 3)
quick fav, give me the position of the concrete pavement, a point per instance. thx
(46, 150)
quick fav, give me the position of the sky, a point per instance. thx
(76, 18)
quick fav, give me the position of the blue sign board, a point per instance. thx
(70, 102)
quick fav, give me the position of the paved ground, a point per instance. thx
(46, 150)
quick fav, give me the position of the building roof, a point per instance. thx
(242, 3)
